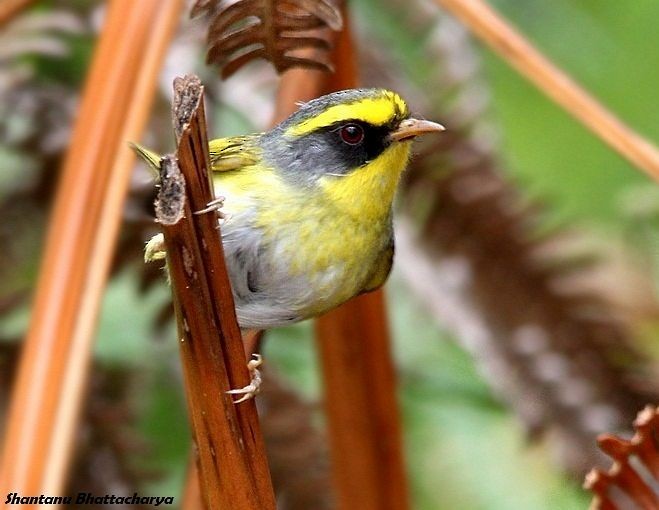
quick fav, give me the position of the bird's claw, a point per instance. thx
(254, 386)
(214, 205)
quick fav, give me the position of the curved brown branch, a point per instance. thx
(468, 243)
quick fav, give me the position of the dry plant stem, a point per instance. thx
(233, 470)
(80, 242)
(192, 499)
(554, 82)
(252, 341)
(360, 400)
(359, 380)
(297, 85)
(10, 8)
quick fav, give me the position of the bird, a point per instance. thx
(306, 207)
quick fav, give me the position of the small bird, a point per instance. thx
(307, 206)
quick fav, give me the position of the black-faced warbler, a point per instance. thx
(308, 205)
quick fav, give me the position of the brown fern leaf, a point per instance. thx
(634, 475)
(289, 33)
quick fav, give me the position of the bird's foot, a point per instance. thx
(214, 205)
(254, 386)
(155, 248)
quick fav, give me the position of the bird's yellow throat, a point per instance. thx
(369, 191)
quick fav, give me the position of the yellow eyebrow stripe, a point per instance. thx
(377, 111)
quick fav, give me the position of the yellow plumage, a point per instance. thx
(308, 204)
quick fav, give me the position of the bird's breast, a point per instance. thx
(312, 255)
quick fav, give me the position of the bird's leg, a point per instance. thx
(254, 386)
(214, 205)
(155, 248)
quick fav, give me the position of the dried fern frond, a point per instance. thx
(635, 470)
(288, 33)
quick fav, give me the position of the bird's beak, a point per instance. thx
(409, 128)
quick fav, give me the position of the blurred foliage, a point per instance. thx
(464, 448)
(608, 47)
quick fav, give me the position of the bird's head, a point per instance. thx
(352, 143)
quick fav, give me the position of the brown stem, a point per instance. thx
(233, 468)
(362, 411)
(192, 499)
(495, 31)
(252, 341)
(86, 218)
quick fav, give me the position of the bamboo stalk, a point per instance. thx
(233, 469)
(504, 39)
(11, 8)
(84, 227)
(359, 379)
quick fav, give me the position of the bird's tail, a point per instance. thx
(150, 158)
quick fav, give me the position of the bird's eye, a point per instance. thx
(352, 134)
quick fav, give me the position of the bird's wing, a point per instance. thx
(381, 268)
(151, 158)
(226, 154)
(234, 153)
